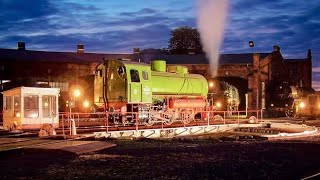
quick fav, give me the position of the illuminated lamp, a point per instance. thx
(18, 114)
(76, 93)
(86, 104)
(218, 104)
(211, 84)
(251, 44)
(302, 105)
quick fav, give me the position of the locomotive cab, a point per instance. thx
(120, 82)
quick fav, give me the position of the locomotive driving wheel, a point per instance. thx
(151, 120)
(168, 115)
(187, 115)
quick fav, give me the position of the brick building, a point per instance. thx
(250, 73)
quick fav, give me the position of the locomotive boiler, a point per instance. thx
(138, 91)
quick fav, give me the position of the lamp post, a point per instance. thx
(251, 44)
(72, 104)
(76, 94)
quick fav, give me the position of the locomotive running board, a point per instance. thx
(166, 132)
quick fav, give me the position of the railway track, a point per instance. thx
(14, 144)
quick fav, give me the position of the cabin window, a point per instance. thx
(7, 103)
(31, 104)
(49, 106)
(134, 75)
(121, 71)
(16, 106)
(145, 75)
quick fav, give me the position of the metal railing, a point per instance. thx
(112, 120)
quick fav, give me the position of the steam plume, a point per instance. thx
(211, 17)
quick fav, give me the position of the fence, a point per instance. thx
(112, 120)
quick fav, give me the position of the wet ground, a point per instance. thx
(208, 158)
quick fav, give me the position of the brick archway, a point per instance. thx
(241, 84)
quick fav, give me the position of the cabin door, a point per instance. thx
(134, 87)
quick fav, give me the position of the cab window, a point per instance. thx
(134, 75)
(145, 75)
(121, 71)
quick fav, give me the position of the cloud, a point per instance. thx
(316, 85)
(118, 26)
(108, 25)
(101, 27)
(316, 70)
(145, 11)
(17, 11)
(291, 24)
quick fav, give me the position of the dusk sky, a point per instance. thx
(116, 26)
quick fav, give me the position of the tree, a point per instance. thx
(185, 39)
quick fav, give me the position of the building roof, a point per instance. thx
(296, 60)
(73, 57)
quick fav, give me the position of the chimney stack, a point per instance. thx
(191, 50)
(276, 48)
(21, 46)
(80, 48)
(136, 51)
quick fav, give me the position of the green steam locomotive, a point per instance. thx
(133, 91)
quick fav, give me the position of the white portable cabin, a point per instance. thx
(30, 108)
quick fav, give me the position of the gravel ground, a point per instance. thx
(171, 159)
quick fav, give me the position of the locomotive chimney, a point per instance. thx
(80, 48)
(21, 46)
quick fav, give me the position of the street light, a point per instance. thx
(76, 93)
(211, 84)
(86, 104)
(72, 104)
(251, 44)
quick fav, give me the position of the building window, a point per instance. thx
(49, 106)
(7, 103)
(63, 86)
(31, 106)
